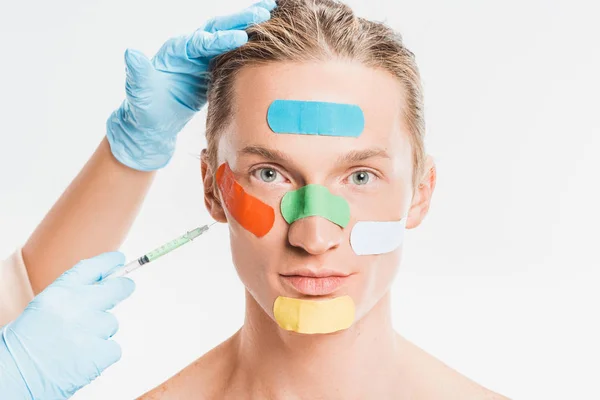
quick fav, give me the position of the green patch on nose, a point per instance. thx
(315, 200)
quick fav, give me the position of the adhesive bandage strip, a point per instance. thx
(377, 237)
(315, 200)
(314, 316)
(251, 213)
(315, 118)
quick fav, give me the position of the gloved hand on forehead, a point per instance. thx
(164, 93)
(60, 343)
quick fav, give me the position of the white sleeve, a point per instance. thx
(15, 288)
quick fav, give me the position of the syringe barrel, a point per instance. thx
(173, 244)
(162, 250)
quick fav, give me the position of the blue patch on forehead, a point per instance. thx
(315, 118)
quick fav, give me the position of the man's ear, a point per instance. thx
(422, 197)
(211, 195)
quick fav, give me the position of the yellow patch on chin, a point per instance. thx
(314, 316)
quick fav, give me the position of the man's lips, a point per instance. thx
(315, 282)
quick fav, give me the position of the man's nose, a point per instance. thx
(315, 234)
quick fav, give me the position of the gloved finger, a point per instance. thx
(255, 14)
(268, 4)
(138, 81)
(108, 293)
(93, 269)
(100, 324)
(109, 352)
(138, 65)
(205, 44)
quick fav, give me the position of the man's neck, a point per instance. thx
(281, 364)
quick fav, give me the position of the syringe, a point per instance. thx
(161, 251)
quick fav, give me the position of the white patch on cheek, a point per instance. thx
(377, 237)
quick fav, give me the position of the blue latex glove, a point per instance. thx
(60, 343)
(164, 94)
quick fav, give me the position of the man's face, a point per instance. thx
(372, 172)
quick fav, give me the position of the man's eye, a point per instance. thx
(360, 177)
(267, 174)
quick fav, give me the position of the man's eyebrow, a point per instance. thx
(357, 156)
(268, 154)
(348, 158)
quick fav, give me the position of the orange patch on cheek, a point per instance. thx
(251, 213)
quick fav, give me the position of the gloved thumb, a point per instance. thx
(139, 70)
(92, 270)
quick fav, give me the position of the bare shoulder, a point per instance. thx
(206, 378)
(435, 380)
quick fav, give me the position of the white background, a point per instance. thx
(500, 281)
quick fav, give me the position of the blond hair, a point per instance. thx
(318, 30)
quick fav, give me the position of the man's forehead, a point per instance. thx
(257, 89)
(378, 94)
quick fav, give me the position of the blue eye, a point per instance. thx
(268, 174)
(360, 177)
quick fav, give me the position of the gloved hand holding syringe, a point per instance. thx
(160, 251)
(62, 340)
